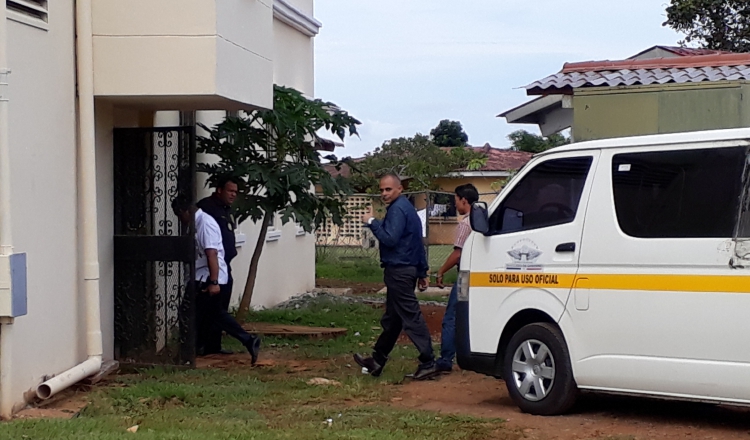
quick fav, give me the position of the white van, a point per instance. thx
(620, 265)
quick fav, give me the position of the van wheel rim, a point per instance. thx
(533, 370)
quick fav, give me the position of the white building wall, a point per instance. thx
(287, 265)
(294, 64)
(44, 216)
(43, 141)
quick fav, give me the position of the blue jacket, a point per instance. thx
(400, 237)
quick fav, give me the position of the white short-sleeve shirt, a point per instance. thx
(208, 236)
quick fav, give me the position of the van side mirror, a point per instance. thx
(479, 219)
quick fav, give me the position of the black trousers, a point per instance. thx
(213, 335)
(402, 312)
(209, 314)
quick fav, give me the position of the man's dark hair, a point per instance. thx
(468, 192)
(392, 175)
(222, 181)
(181, 203)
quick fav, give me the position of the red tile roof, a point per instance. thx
(715, 60)
(687, 51)
(503, 160)
(688, 69)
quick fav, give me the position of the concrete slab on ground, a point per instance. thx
(267, 329)
(432, 290)
(336, 291)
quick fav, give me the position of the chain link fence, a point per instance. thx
(353, 242)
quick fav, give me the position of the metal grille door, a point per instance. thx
(154, 252)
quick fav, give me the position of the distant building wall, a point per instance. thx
(601, 113)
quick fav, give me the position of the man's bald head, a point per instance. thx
(390, 188)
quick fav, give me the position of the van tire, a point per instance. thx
(551, 372)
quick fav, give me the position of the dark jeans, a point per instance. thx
(210, 314)
(448, 335)
(213, 334)
(402, 312)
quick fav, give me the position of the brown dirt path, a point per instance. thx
(595, 416)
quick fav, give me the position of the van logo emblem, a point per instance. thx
(524, 255)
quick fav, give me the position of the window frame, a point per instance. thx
(696, 148)
(529, 168)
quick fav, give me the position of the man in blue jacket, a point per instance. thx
(404, 262)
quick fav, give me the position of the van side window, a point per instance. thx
(678, 194)
(547, 196)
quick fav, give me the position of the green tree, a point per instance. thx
(522, 140)
(449, 134)
(417, 158)
(272, 153)
(712, 24)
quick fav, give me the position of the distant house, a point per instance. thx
(501, 163)
(660, 90)
(436, 209)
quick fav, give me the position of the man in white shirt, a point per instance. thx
(210, 274)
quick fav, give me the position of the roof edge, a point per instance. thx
(731, 59)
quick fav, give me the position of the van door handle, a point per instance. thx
(566, 247)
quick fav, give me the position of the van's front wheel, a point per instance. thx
(537, 370)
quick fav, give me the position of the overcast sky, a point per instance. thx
(400, 66)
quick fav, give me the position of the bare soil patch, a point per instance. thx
(358, 288)
(64, 405)
(595, 416)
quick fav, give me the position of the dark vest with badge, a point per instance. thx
(223, 215)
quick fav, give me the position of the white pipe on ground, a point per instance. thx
(87, 207)
(68, 378)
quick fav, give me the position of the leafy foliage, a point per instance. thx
(712, 24)
(416, 158)
(522, 140)
(449, 134)
(273, 154)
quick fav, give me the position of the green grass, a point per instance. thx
(357, 318)
(271, 402)
(248, 404)
(363, 266)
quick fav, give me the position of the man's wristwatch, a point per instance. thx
(214, 282)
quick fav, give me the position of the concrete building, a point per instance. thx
(76, 79)
(660, 90)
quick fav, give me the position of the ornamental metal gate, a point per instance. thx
(154, 252)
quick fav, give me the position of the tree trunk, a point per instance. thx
(252, 274)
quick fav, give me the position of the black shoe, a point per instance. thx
(444, 367)
(426, 371)
(253, 347)
(372, 366)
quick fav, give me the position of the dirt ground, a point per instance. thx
(594, 417)
(357, 288)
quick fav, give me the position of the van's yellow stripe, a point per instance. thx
(674, 283)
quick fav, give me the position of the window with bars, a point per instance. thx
(34, 9)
